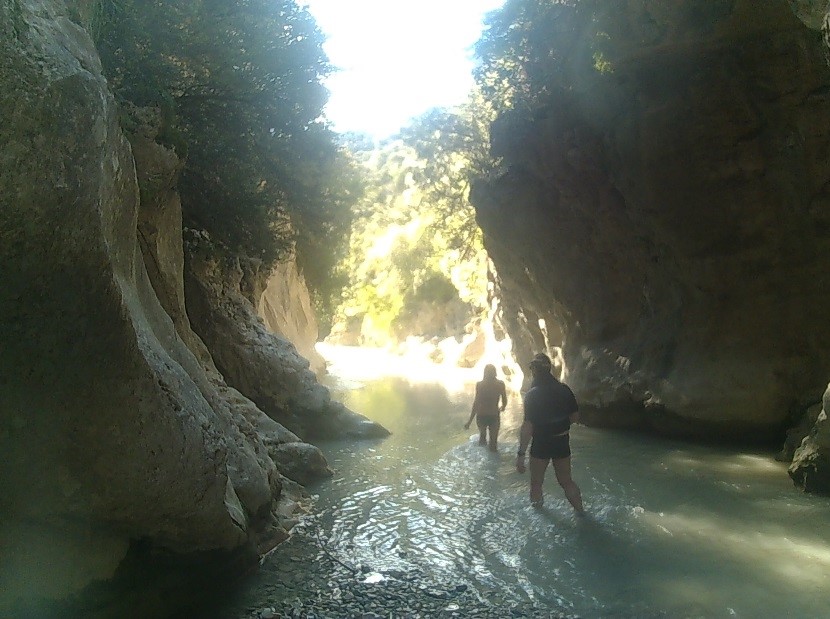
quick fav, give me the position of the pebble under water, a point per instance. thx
(426, 523)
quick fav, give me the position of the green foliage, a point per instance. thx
(436, 288)
(534, 51)
(416, 222)
(453, 147)
(239, 86)
(414, 243)
(381, 263)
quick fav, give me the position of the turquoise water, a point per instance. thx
(673, 530)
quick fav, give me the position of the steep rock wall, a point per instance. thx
(286, 311)
(160, 238)
(810, 468)
(114, 424)
(220, 296)
(106, 433)
(672, 217)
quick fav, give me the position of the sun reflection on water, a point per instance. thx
(353, 366)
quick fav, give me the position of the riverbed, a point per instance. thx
(673, 529)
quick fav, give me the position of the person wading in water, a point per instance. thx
(549, 410)
(489, 391)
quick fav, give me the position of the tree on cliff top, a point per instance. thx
(239, 84)
(453, 147)
(535, 51)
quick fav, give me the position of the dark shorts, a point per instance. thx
(487, 422)
(551, 447)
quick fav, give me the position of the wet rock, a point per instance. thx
(302, 462)
(810, 469)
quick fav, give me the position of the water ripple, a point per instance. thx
(672, 530)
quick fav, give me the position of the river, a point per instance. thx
(673, 529)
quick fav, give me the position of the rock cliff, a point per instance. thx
(115, 424)
(669, 211)
(286, 310)
(810, 468)
(221, 297)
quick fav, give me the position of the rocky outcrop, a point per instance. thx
(797, 433)
(670, 212)
(811, 462)
(268, 369)
(811, 12)
(108, 432)
(808, 443)
(160, 239)
(286, 311)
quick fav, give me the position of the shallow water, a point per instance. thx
(674, 530)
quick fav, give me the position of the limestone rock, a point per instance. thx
(811, 464)
(811, 12)
(810, 468)
(671, 215)
(286, 310)
(263, 366)
(797, 434)
(473, 349)
(111, 429)
(301, 462)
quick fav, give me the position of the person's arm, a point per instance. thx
(574, 416)
(524, 440)
(503, 397)
(472, 410)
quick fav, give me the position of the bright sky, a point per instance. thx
(397, 58)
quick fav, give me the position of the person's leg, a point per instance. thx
(562, 468)
(482, 432)
(494, 436)
(537, 478)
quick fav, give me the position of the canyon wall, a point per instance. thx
(668, 208)
(810, 467)
(286, 310)
(221, 296)
(116, 424)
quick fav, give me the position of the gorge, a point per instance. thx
(661, 205)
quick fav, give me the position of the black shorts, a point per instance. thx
(551, 447)
(487, 422)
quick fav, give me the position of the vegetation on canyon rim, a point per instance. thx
(239, 87)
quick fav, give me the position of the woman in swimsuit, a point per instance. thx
(486, 410)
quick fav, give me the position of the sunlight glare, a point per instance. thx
(396, 60)
(800, 561)
(742, 466)
(360, 364)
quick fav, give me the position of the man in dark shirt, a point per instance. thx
(550, 408)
